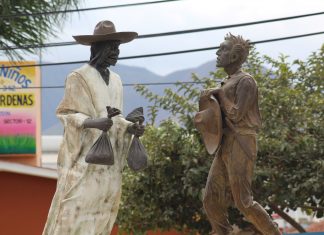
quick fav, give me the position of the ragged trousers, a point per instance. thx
(229, 182)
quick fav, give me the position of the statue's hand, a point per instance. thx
(103, 124)
(216, 92)
(136, 129)
(206, 92)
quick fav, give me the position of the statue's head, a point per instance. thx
(104, 53)
(232, 52)
(104, 43)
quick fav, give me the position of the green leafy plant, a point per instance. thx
(20, 30)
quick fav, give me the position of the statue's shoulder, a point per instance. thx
(88, 74)
(244, 74)
(85, 71)
(74, 75)
(248, 78)
(239, 77)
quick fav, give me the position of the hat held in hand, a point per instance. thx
(208, 122)
(105, 30)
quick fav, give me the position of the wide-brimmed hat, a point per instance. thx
(105, 30)
(208, 122)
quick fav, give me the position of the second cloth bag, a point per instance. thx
(137, 157)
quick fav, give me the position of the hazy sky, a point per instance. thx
(192, 14)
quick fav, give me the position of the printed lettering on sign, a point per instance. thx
(19, 109)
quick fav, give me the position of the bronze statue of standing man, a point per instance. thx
(230, 176)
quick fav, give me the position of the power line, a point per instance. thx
(168, 53)
(84, 9)
(57, 44)
(230, 26)
(126, 84)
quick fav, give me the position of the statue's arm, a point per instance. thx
(76, 105)
(103, 124)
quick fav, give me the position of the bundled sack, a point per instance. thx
(101, 151)
(137, 157)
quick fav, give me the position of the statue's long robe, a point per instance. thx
(87, 195)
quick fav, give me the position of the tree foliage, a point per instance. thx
(166, 195)
(290, 160)
(22, 31)
(290, 165)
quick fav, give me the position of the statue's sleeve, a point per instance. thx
(76, 104)
(245, 94)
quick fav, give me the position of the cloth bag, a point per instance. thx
(101, 151)
(137, 157)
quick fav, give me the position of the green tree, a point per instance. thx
(290, 165)
(166, 195)
(20, 30)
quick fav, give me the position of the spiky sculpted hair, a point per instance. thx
(240, 46)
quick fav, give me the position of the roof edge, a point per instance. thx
(28, 170)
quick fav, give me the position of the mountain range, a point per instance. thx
(56, 75)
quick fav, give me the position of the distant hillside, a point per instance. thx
(55, 76)
(185, 75)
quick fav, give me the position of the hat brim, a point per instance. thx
(123, 37)
(208, 122)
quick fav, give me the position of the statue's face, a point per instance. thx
(224, 54)
(111, 53)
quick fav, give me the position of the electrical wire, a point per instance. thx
(126, 84)
(230, 26)
(171, 33)
(83, 9)
(159, 54)
(167, 53)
